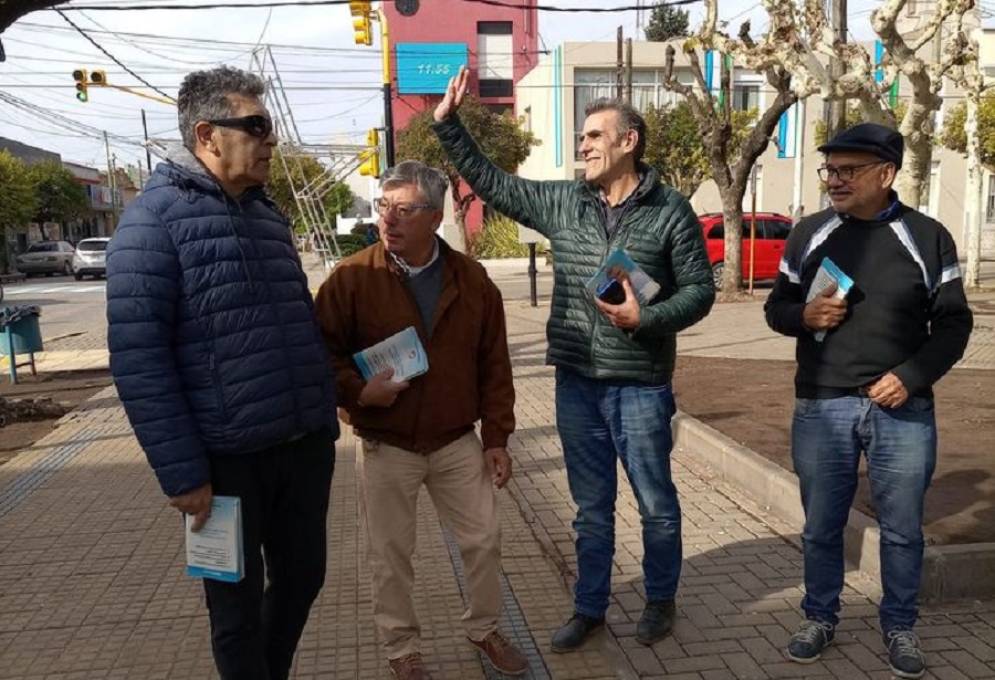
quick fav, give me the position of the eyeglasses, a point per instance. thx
(402, 210)
(258, 126)
(844, 173)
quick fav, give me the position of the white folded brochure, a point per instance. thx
(216, 551)
(402, 351)
(828, 275)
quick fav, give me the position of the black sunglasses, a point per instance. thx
(257, 125)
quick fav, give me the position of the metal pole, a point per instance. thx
(110, 181)
(628, 70)
(619, 65)
(753, 223)
(148, 154)
(533, 274)
(388, 107)
(796, 199)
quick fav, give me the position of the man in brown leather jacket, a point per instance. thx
(422, 431)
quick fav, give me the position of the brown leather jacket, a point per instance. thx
(364, 300)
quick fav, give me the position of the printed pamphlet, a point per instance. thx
(619, 266)
(827, 275)
(402, 351)
(216, 550)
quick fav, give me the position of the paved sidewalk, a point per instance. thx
(91, 584)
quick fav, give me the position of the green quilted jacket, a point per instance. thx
(660, 232)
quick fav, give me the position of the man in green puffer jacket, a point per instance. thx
(614, 363)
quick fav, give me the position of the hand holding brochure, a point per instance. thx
(216, 550)
(402, 351)
(618, 266)
(828, 275)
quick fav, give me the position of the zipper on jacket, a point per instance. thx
(610, 241)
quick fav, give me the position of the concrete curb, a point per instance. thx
(950, 572)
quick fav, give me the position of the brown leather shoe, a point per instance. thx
(409, 667)
(503, 655)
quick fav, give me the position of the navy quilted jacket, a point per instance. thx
(213, 342)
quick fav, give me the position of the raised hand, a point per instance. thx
(455, 92)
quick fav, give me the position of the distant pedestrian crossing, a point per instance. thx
(45, 290)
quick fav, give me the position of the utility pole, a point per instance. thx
(110, 183)
(835, 110)
(628, 70)
(148, 154)
(388, 107)
(619, 65)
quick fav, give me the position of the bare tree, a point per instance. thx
(731, 167)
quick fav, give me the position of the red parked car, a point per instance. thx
(772, 230)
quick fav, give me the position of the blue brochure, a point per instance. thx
(828, 275)
(402, 351)
(216, 550)
(619, 266)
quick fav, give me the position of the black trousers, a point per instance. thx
(257, 622)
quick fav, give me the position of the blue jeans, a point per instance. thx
(600, 422)
(827, 438)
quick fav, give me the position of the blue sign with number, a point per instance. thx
(425, 68)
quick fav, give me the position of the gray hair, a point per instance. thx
(431, 183)
(628, 119)
(204, 96)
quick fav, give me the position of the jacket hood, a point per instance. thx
(185, 171)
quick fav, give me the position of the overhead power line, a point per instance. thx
(322, 3)
(109, 55)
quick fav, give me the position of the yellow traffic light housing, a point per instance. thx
(361, 26)
(373, 138)
(80, 76)
(98, 77)
(370, 166)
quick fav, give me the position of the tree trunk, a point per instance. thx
(917, 129)
(975, 207)
(732, 217)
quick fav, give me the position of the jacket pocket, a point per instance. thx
(218, 390)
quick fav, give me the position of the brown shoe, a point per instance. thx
(409, 667)
(503, 655)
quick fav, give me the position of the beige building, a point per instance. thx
(552, 97)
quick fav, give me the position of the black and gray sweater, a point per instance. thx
(907, 312)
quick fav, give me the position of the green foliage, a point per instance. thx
(500, 137)
(58, 196)
(350, 243)
(675, 147)
(954, 136)
(304, 169)
(17, 200)
(498, 239)
(667, 22)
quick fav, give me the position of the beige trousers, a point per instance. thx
(458, 482)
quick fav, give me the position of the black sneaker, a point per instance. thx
(809, 640)
(904, 653)
(656, 622)
(572, 634)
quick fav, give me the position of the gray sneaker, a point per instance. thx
(904, 653)
(809, 640)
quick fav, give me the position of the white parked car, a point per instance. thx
(90, 258)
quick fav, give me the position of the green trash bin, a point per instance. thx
(26, 333)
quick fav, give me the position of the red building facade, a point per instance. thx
(429, 38)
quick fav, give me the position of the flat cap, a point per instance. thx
(883, 142)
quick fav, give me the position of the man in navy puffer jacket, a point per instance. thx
(221, 367)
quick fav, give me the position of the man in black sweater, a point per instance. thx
(867, 359)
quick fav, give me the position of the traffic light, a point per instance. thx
(362, 30)
(98, 77)
(79, 75)
(371, 164)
